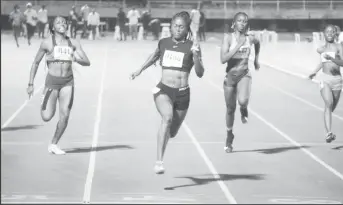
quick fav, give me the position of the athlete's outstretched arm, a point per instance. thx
(198, 65)
(315, 71)
(225, 53)
(40, 54)
(80, 57)
(151, 60)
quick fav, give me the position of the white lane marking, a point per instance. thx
(91, 167)
(14, 115)
(302, 100)
(314, 157)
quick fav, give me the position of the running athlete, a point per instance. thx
(17, 19)
(235, 53)
(331, 58)
(177, 56)
(60, 52)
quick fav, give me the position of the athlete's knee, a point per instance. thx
(167, 119)
(230, 109)
(46, 116)
(64, 116)
(243, 102)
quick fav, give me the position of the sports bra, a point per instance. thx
(244, 51)
(176, 55)
(60, 53)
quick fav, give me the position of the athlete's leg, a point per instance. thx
(336, 97)
(244, 90)
(180, 110)
(178, 117)
(65, 100)
(48, 106)
(327, 96)
(164, 106)
(230, 94)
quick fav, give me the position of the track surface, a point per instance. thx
(280, 155)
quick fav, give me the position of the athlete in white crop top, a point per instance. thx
(60, 53)
(235, 52)
(331, 58)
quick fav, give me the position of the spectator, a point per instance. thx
(84, 14)
(17, 19)
(31, 21)
(133, 16)
(155, 26)
(195, 21)
(202, 26)
(42, 21)
(121, 20)
(93, 21)
(73, 18)
(146, 18)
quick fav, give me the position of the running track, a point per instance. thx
(280, 155)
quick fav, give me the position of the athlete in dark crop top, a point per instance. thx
(177, 56)
(60, 53)
(235, 53)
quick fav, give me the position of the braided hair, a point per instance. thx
(235, 18)
(187, 18)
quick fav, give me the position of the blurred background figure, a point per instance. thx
(73, 19)
(31, 21)
(42, 21)
(133, 16)
(145, 19)
(155, 26)
(202, 26)
(195, 21)
(93, 22)
(17, 19)
(121, 20)
(84, 14)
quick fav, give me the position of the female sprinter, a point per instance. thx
(235, 52)
(60, 52)
(331, 58)
(177, 56)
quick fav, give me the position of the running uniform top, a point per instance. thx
(60, 53)
(242, 53)
(176, 55)
(329, 53)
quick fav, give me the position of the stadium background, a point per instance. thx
(302, 16)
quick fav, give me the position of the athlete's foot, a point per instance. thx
(244, 115)
(330, 137)
(159, 169)
(54, 149)
(228, 148)
(18, 45)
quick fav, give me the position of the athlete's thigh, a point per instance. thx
(244, 89)
(336, 96)
(230, 95)
(178, 118)
(66, 99)
(326, 93)
(49, 100)
(163, 104)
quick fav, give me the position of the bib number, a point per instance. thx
(243, 52)
(63, 53)
(172, 59)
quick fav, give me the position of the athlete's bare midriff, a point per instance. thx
(58, 68)
(175, 78)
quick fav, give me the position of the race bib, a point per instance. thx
(172, 59)
(243, 52)
(63, 53)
